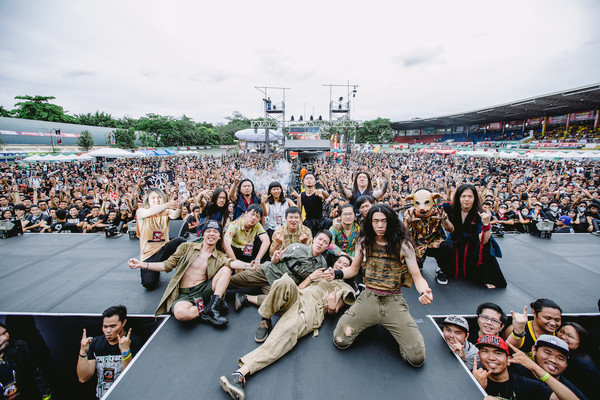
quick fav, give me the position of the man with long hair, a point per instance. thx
(390, 264)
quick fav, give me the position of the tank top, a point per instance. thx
(154, 234)
(276, 215)
(384, 272)
(313, 206)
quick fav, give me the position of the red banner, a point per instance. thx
(582, 116)
(495, 126)
(535, 121)
(559, 119)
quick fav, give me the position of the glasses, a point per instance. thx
(569, 335)
(485, 318)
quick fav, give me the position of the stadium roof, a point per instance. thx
(585, 98)
(308, 145)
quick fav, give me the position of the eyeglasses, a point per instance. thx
(569, 335)
(485, 318)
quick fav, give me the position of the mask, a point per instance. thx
(554, 208)
(581, 209)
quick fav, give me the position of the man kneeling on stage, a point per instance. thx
(303, 309)
(202, 275)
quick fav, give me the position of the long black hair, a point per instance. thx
(584, 337)
(396, 233)
(369, 189)
(239, 189)
(271, 198)
(455, 209)
(212, 208)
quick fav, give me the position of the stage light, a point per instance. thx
(320, 118)
(291, 119)
(301, 119)
(311, 118)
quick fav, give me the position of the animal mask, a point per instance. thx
(423, 202)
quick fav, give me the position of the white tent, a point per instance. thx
(140, 154)
(83, 157)
(110, 153)
(33, 158)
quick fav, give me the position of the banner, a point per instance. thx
(535, 121)
(495, 126)
(559, 119)
(582, 116)
(44, 134)
(159, 180)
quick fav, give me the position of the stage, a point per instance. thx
(56, 277)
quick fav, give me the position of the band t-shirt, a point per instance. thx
(109, 361)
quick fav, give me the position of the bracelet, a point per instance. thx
(128, 357)
(485, 228)
(85, 355)
(339, 274)
(543, 378)
(147, 265)
(518, 335)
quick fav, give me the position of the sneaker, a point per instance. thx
(440, 277)
(596, 233)
(234, 385)
(263, 330)
(241, 300)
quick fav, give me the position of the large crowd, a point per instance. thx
(315, 237)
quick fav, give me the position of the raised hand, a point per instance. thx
(303, 238)
(84, 346)
(519, 320)
(134, 263)
(485, 217)
(481, 375)
(125, 341)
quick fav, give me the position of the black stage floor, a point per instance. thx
(84, 274)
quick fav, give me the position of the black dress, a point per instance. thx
(473, 260)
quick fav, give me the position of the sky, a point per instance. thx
(204, 59)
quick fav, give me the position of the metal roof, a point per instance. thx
(585, 98)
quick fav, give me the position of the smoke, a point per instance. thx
(282, 173)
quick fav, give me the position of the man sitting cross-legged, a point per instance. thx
(202, 276)
(303, 309)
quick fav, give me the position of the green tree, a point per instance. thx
(97, 119)
(125, 138)
(226, 132)
(4, 112)
(163, 129)
(85, 141)
(186, 129)
(147, 139)
(38, 108)
(375, 131)
(206, 136)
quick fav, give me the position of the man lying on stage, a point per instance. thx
(202, 277)
(303, 309)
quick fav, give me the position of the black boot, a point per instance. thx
(222, 306)
(211, 312)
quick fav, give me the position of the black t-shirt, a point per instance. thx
(518, 387)
(92, 220)
(313, 206)
(109, 361)
(33, 220)
(518, 369)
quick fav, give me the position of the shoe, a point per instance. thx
(263, 330)
(596, 233)
(241, 300)
(234, 385)
(211, 313)
(440, 277)
(223, 307)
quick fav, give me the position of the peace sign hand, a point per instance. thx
(125, 341)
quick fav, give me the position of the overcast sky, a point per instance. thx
(203, 59)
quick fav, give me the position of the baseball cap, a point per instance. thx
(492, 340)
(537, 203)
(565, 219)
(457, 321)
(554, 342)
(212, 224)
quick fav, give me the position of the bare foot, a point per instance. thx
(490, 286)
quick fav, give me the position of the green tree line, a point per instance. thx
(153, 130)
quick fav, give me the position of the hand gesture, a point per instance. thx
(294, 192)
(519, 320)
(481, 375)
(332, 301)
(442, 216)
(303, 238)
(278, 238)
(316, 274)
(134, 263)
(458, 349)
(426, 297)
(521, 358)
(336, 223)
(85, 343)
(329, 274)
(253, 265)
(173, 204)
(277, 255)
(263, 198)
(125, 341)
(485, 217)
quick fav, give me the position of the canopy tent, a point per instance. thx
(110, 153)
(140, 154)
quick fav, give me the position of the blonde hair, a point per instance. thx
(159, 192)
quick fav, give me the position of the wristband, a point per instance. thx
(147, 265)
(485, 228)
(85, 355)
(48, 397)
(518, 335)
(339, 274)
(127, 357)
(543, 378)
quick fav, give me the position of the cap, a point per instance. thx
(457, 321)
(565, 219)
(212, 224)
(554, 342)
(492, 340)
(537, 203)
(503, 206)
